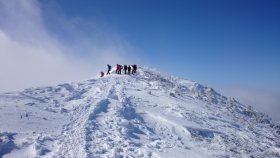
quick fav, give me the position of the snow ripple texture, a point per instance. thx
(143, 115)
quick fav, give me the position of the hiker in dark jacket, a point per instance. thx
(125, 69)
(129, 69)
(109, 69)
(101, 74)
(134, 68)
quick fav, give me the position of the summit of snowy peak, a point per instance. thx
(146, 114)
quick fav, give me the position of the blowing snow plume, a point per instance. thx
(32, 53)
(142, 115)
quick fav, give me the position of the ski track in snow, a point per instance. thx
(147, 115)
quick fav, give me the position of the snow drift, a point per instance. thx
(144, 115)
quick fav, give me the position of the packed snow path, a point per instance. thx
(144, 115)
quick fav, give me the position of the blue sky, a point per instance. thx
(214, 42)
(232, 46)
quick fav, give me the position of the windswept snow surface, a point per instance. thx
(143, 115)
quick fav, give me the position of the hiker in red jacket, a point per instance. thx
(117, 69)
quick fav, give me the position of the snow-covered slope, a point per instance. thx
(144, 115)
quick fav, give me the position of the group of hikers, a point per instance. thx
(128, 69)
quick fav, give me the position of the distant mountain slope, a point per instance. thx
(143, 115)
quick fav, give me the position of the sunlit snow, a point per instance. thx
(143, 115)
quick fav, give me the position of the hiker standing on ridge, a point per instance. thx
(121, 67)
(125, 69)
(109, 69)
(129, 69)
(117, 69)
(134, 68)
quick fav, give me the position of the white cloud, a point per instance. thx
(261, 99)
(23, 66)
(31, 55)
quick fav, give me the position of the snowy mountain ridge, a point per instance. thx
(144, 115)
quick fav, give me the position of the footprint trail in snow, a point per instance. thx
(144, 115)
